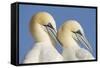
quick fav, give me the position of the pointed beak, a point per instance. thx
(82, 39)
(52, 32)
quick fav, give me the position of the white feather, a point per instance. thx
(43, 52)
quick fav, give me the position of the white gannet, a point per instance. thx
(43, 29)
(70, 35)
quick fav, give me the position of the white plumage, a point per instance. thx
(70, 35)
(43, 53)
(42, 27)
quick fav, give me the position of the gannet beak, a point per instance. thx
(51, 31)
(82, 39)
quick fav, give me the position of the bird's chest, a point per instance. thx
(69, 54)
(49, 54)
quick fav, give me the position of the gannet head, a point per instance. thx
(71, 31)
(43, 27)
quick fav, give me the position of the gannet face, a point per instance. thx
(73, 26)
(46, 22)
(72, 30)
(44, 18)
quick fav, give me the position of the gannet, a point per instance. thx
(71, 36)
(43, 29)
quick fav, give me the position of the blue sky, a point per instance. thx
(86, 17)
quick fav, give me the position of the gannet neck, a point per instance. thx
(40, 34)
(65, 36)
(70, 43)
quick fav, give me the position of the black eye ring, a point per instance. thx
(49, 25)
(78, 32)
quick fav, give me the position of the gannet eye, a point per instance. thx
(77, 32)
(49, 25)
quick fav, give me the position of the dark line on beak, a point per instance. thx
(78, 41)
(50, 26)
(87, 45)
(56, 37)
